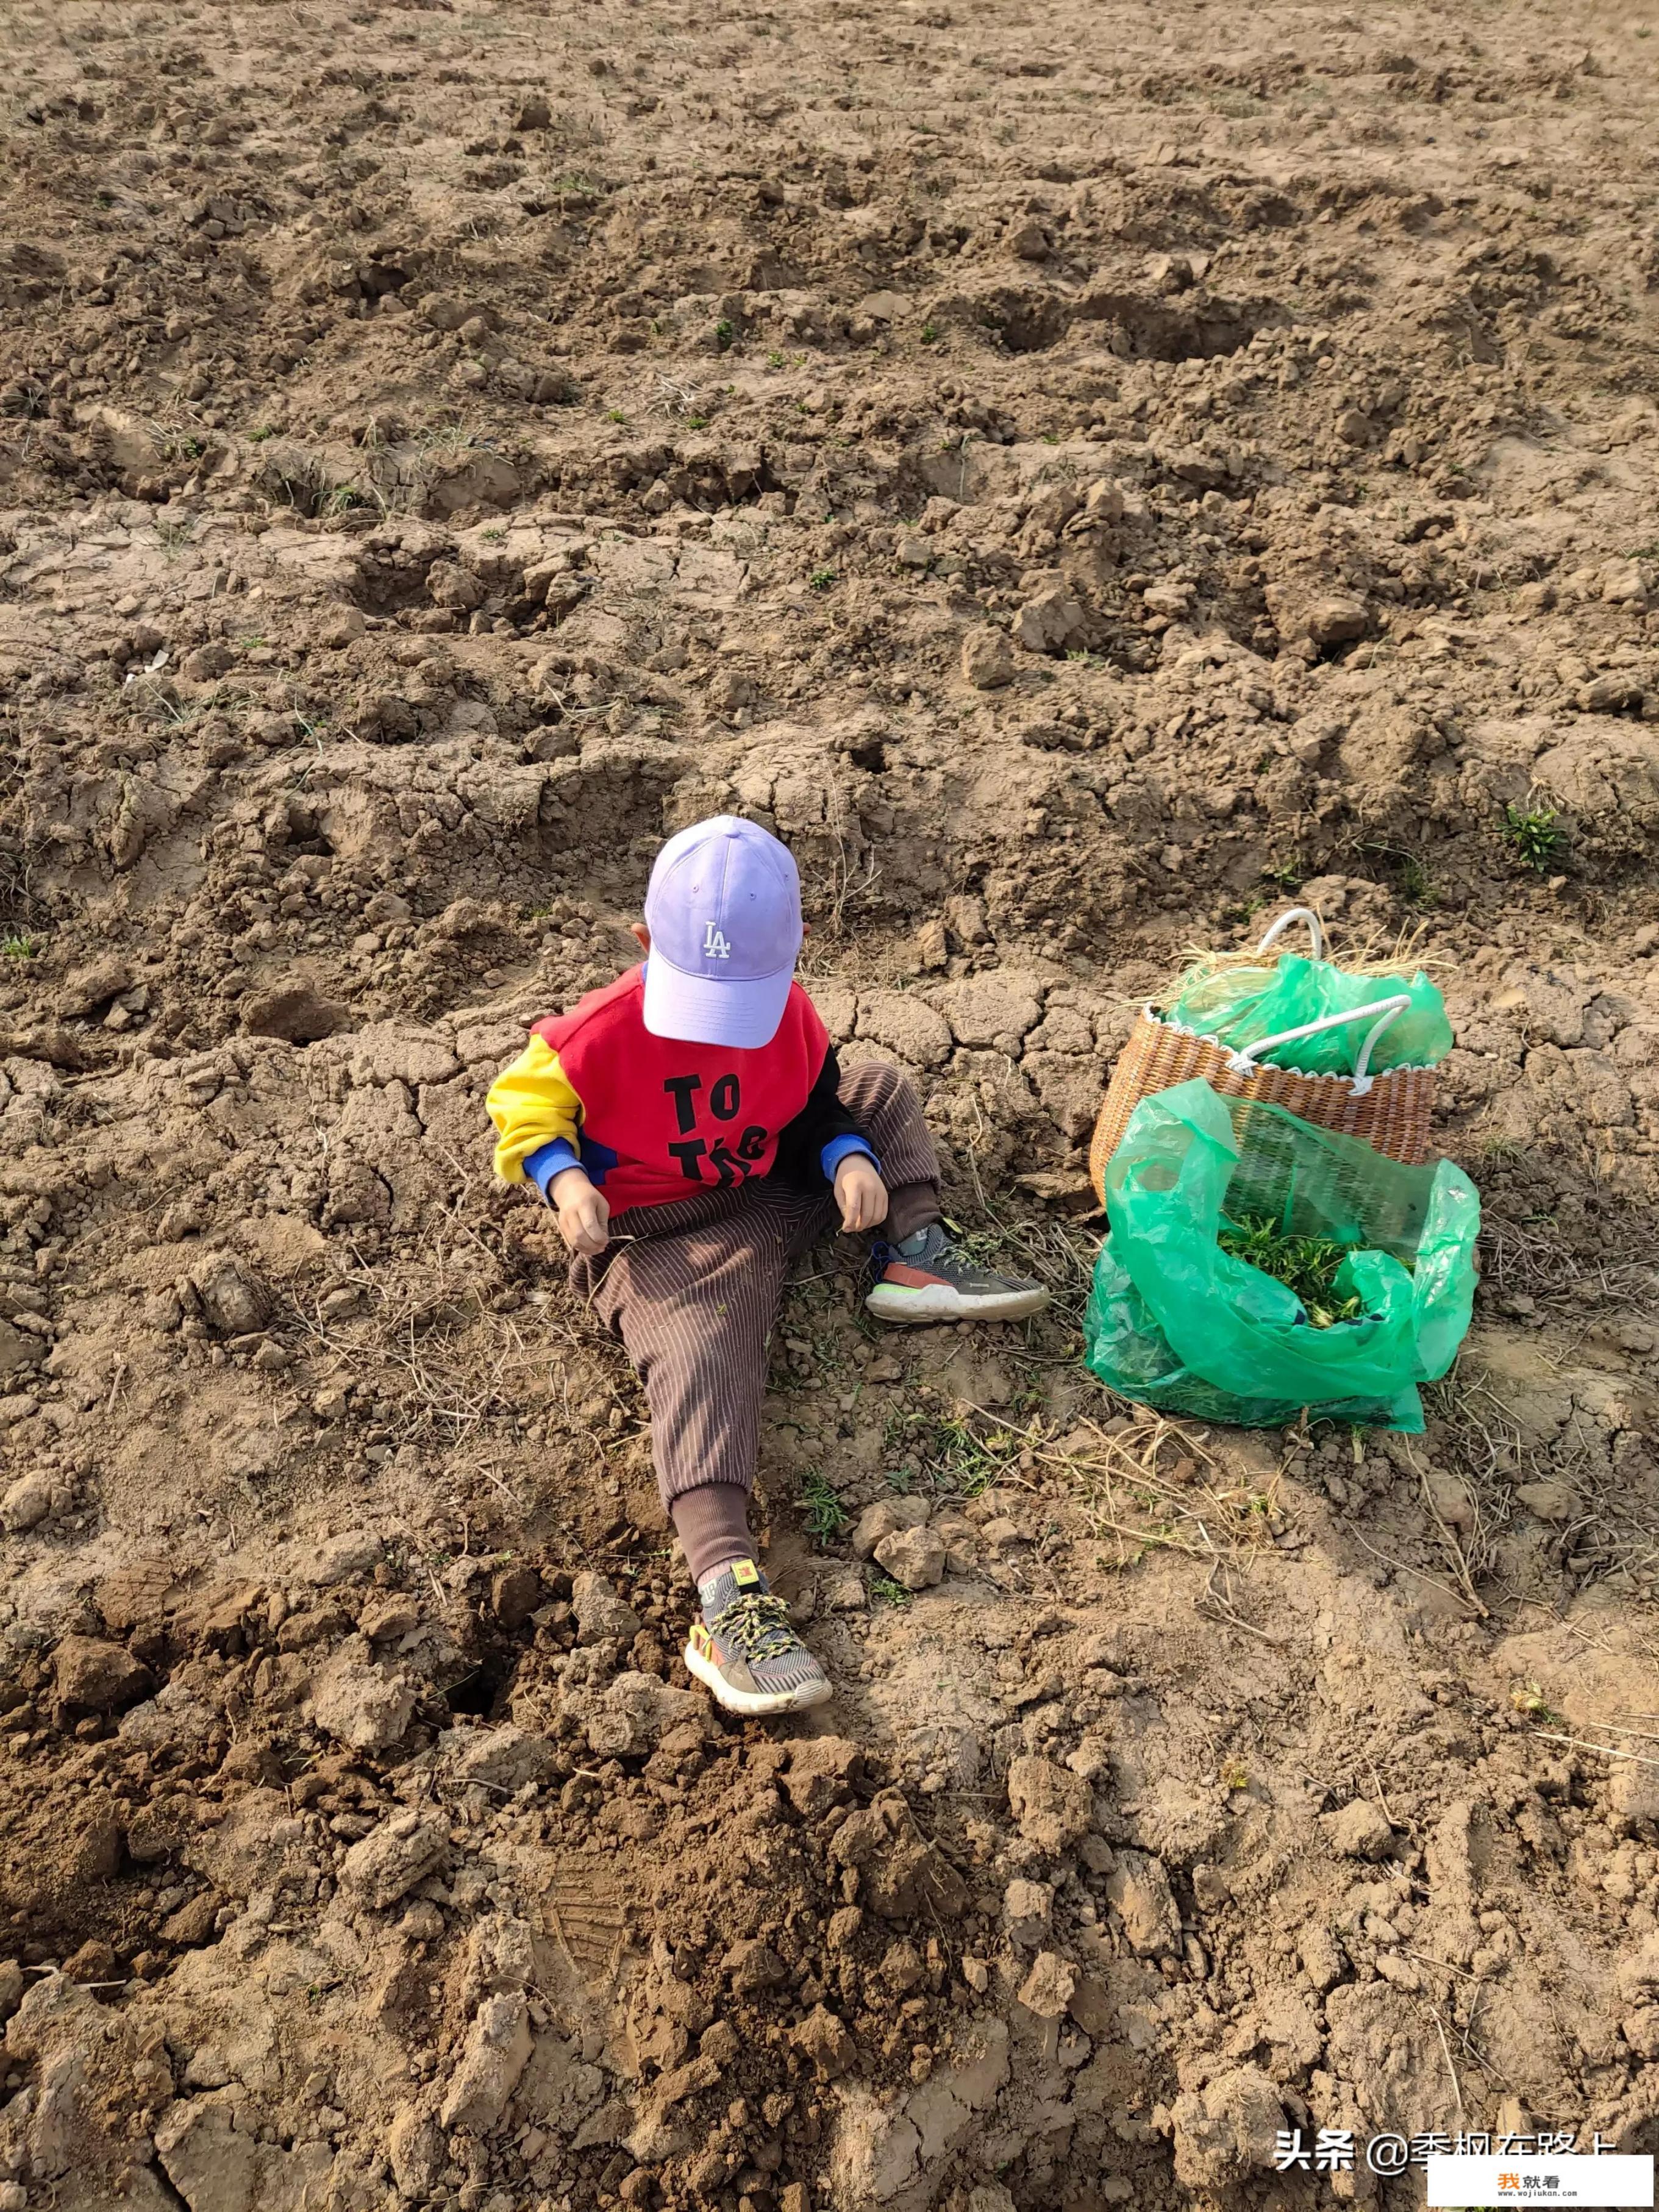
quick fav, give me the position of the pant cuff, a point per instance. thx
(712, 1523)
(913, 1206)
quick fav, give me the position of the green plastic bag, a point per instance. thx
(1178, 1323)
(1239, 1006)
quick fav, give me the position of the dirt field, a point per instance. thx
(1081, 474)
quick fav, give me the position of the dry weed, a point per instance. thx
(1523, 1260)
(1613, 1529)
(1151, 1484)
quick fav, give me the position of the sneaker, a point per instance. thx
(927, 1278)
(745, 1651)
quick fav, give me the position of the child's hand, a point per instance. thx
(583, 1213)
(860, 1192)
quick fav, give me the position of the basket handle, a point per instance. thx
(1315, 930)
(1390, 1009)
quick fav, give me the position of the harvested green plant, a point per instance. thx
(1306, 1264)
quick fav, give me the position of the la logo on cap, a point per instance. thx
(715, 944)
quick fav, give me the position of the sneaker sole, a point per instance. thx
(756, 1705)
(929, 1302)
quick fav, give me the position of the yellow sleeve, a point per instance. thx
(532, 1104)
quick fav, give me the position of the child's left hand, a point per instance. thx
(860, 1192)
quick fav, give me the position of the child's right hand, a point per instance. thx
(583, 1213)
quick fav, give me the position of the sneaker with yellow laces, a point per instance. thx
(745, 1651)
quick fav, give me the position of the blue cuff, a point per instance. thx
(843, 1148)
(551, 1160)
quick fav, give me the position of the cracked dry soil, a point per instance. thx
(1082, 476)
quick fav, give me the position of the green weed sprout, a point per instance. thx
(826, 1516)
(1531, 835)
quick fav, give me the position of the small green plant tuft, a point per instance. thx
(1528, 1699)
(826, 1516)
(696, 422)
(1416, 885)
(774, 359)
(614, 415)
(16, 946)
(930, 334)
(822, 579)
(1531, 835)
(952, 1454)
(886, 1591)
(724, 334)
(258, 437)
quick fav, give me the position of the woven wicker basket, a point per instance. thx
(1389, 1112)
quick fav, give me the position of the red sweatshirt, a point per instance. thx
(652, 1119)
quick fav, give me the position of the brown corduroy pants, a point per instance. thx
(693, 1289)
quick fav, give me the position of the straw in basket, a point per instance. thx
(1389, 1112)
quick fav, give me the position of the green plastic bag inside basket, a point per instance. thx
(1239, 1006)
(1178, 1323)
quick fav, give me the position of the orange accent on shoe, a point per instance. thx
(908, 1278)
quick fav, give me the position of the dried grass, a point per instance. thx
(1519, 1259)
(1056, 1252)
(1152, 1486)
(1372, 954)
(1613, 1529)
(419, 1324)
(450, 1368)
(1481, 1444)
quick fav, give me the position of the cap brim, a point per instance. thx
(709, 1010)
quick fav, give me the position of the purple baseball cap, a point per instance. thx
(723, 908)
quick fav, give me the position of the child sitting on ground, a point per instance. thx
(694, 1132)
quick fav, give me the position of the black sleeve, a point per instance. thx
(802, 1140)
